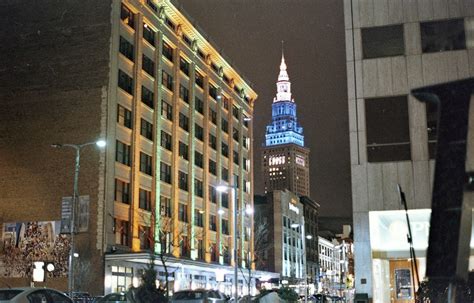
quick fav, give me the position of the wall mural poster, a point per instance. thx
(22, 243)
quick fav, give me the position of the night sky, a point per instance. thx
(249, 33)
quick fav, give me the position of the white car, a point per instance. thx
(32, 295)
(199, 296)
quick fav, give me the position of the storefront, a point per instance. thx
(391, 262)
(124, 270)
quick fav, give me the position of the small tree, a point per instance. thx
(147, 291)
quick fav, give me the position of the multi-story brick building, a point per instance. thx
(176, 117)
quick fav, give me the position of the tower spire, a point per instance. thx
(283, 83)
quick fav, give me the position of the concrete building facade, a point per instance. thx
(176, 118)
(393, 47)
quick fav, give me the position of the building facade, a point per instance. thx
(176, 118)
(285, 158)
(392, 48)
(311, 219)
(282, 213)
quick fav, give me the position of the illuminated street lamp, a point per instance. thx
(72, 254)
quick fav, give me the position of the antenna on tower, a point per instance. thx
(282, 48)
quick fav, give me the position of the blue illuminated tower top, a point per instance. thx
(284, 128)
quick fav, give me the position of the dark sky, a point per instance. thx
(249, 33)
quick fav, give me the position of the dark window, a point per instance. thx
(198, 132)
(184, 122)
(225, 226)
(145, 163)
(146, 129)
(166, 141)
(124, 116)
(121, 231)
(388, 137)
(199, 105)
(383, 41)
(213, 222)
(235, 111)
(183, 150)
(225, 200)
(213, 91)
(432, 127)
(225, 149)
(149, 34)
(184, 66)
(184, 249)
(237, 90)
(198, 218)
(145, 237)
(144, 199)
(125, 82)
(166, 110)
(225, 126)
(212, 167)
(244, 163)
(214, 252)
(165, 206)
(213, 116)
(122, 191)
(184, 93)
(225, 103)
(168, 51)
(170, 23)
(212, 194)
(225, 174)
(446, 35)
(147, 97)
(198, 159)
(127, 16)
(212, 141)
(167, 80)
(152, 5)
(165, 172)
(148, 65)
(235, 134)
(199, 80)
(236, 157)
(198, 190)
(186, 40)
(183, 212)
(183, 180)
(122, 153)
(126, 48)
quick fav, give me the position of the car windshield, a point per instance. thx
(189, 295)
(8, 294)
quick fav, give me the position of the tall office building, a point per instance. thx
(285, 158)
(175, 115)
(393, 47)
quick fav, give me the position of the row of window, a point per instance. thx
(436, 36)
(122, 194)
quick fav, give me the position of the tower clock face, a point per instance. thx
(276, 160)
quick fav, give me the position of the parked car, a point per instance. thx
(115, 297)
(82, 297)
(199, 296)
(33, 295)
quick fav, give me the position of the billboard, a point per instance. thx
(23, 243)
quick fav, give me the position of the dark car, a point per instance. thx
(198, 296)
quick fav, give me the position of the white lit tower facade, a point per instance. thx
(285, 158)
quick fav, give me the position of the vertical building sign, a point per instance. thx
(66, 204)
(83, 214)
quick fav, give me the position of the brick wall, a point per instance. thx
(54, 65)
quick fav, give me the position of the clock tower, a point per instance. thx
(285, 158)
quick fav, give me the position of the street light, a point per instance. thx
(233, 188)
(72, 254)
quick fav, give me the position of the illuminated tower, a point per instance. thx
(285, 158)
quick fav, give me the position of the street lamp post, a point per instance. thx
(233, 188)
(77, 148)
